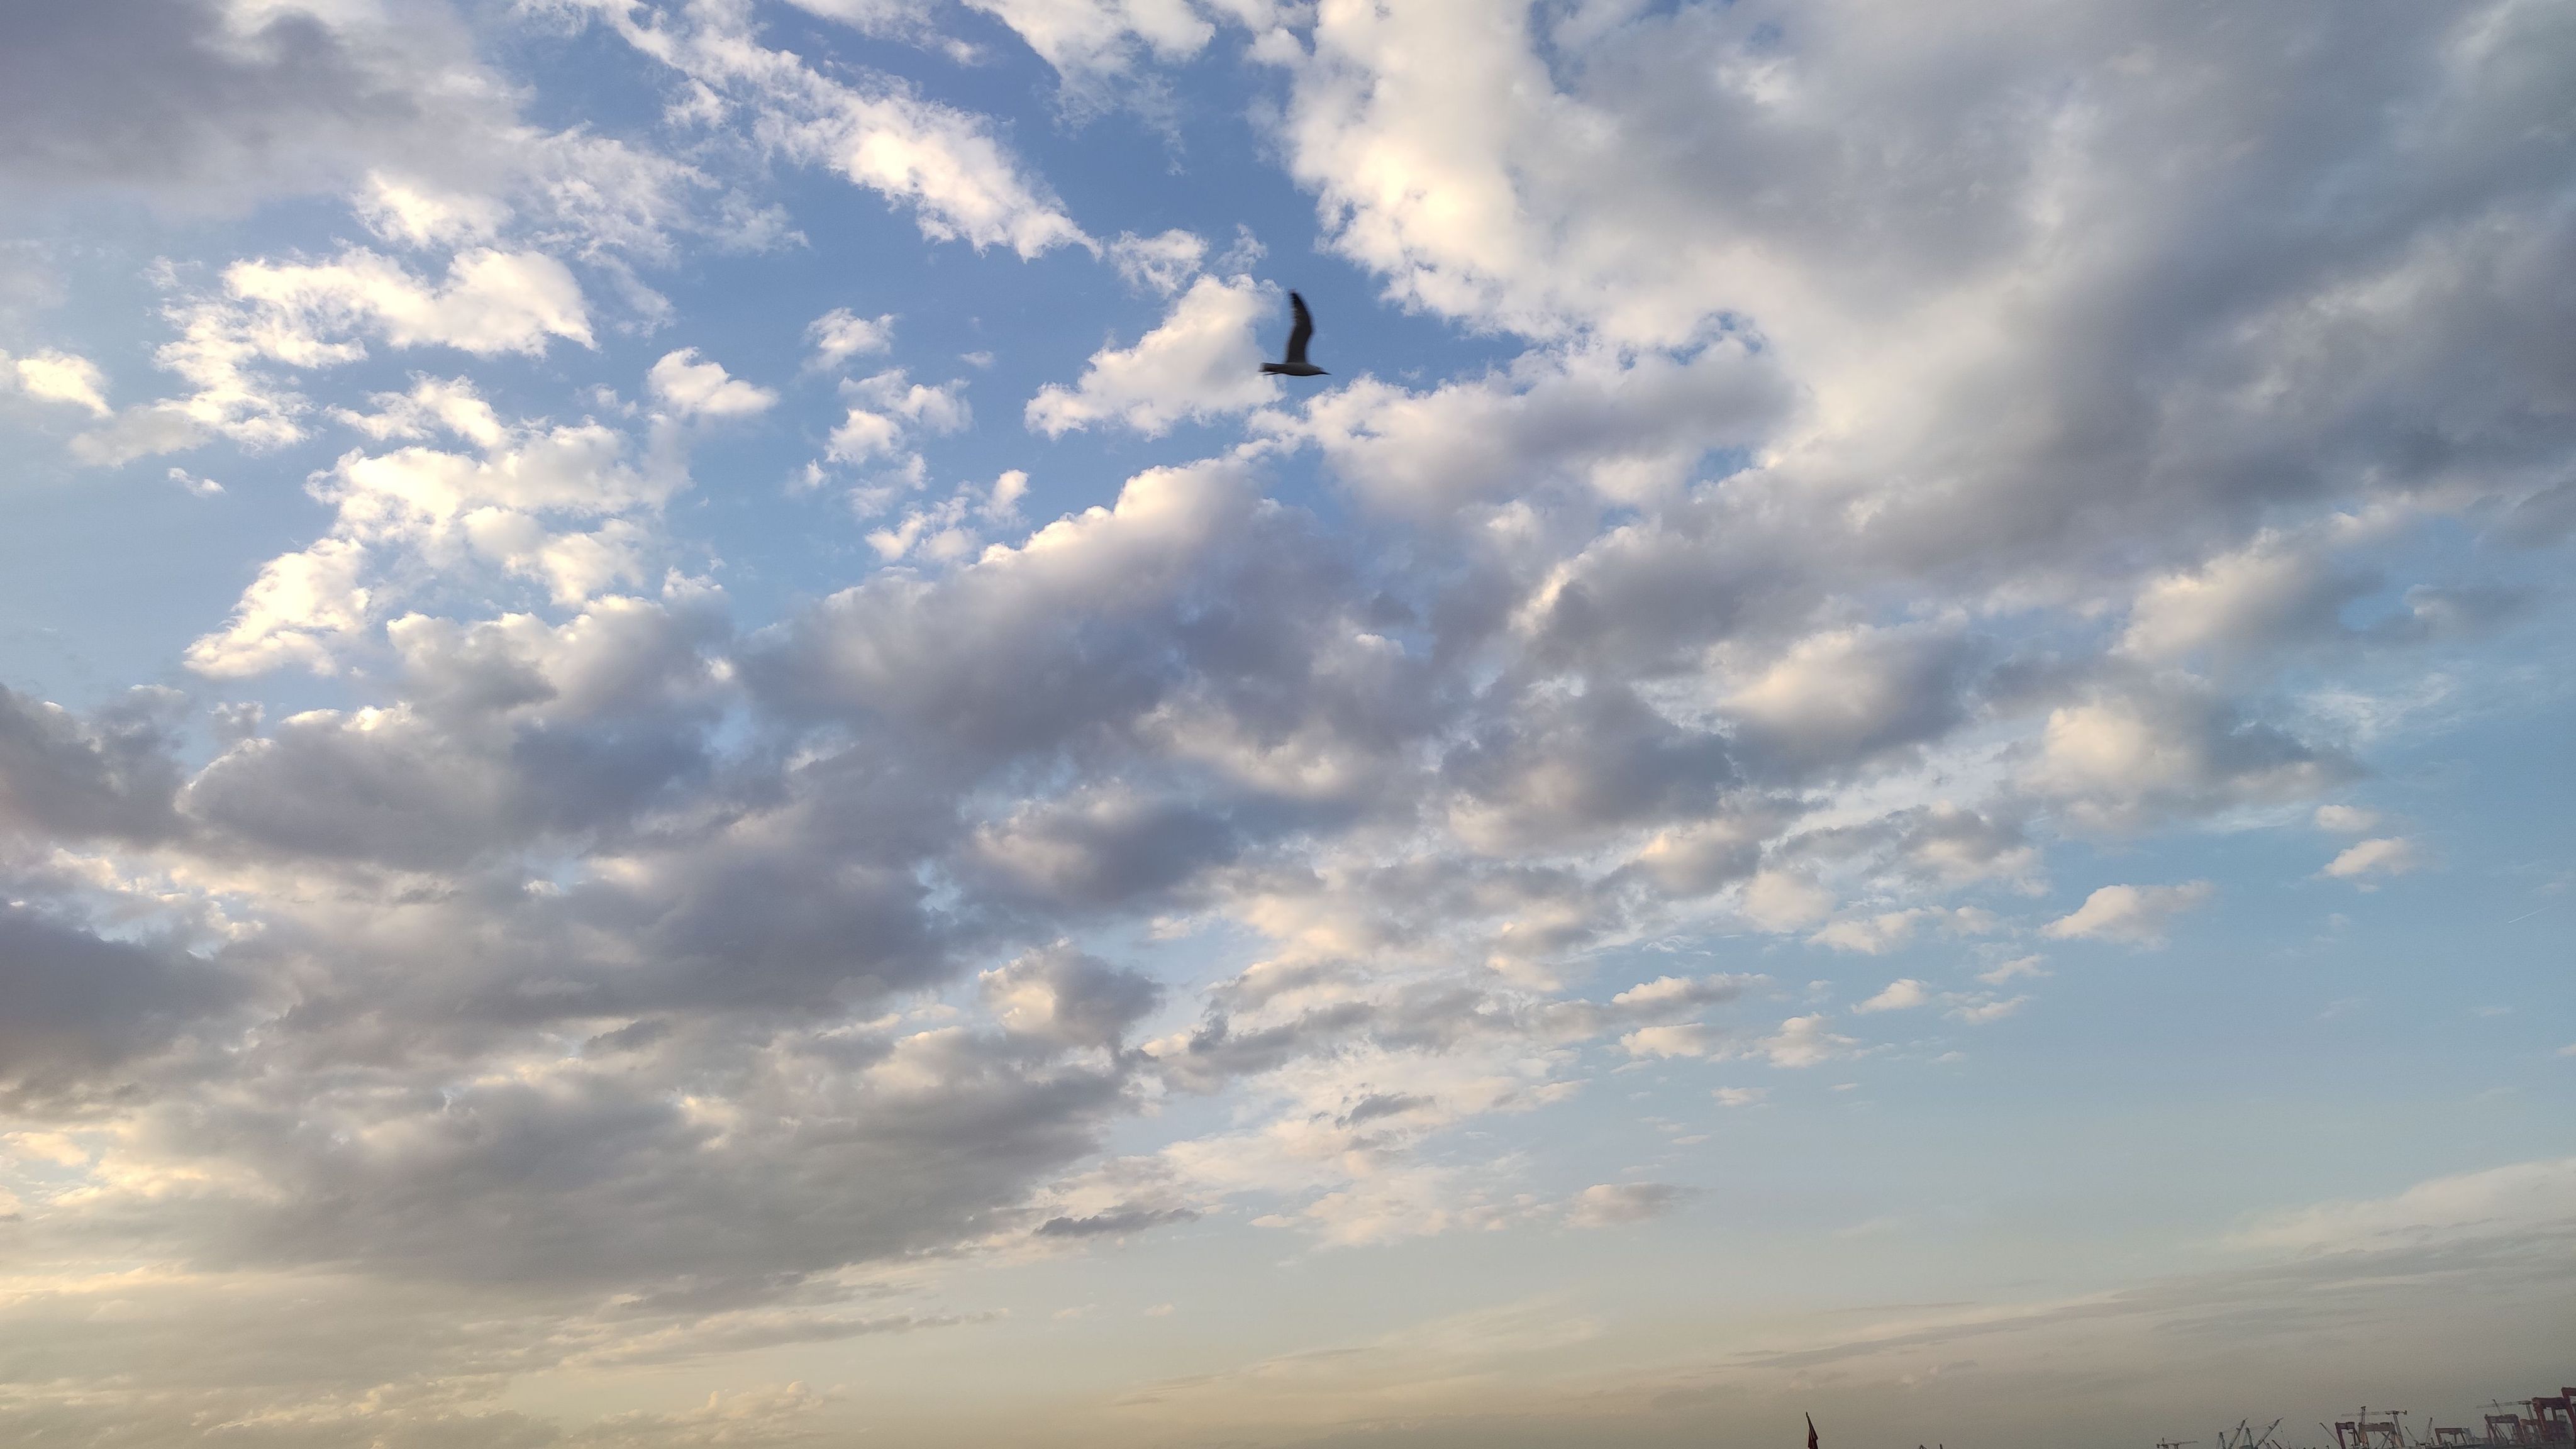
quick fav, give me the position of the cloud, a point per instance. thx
(2019, 966)
(2511, 1200)
(1682, 993)
(1626, 425)
(888, 408)
(492, 302)
(1689, 1039)
(1062, 995)
(942, 162)
(839, 335)
(2345, 819)
(703, 389)
(1979, 1011)
(2255, 598)
(2135, 915)
(2124, 760)
(71, 779)
(1615, 1204)
(319, 315)
(81, 1005)
(1899, 995)
(658, 982)
(2392, 855)
(195, 102)
(1163, 263)
(1202, 362)
(1845, 696)
(564, 507)
(1780, 901)
(1804, 1041)
(58, 377)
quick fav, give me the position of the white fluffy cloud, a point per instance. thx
(2135, 915)
(1202, 362)
(704, 389)
(564, 506)
(302, 315)
(58, 377)
(1902, 994)
(2388, 855)
(840, 334)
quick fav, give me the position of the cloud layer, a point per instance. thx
(1909, 467)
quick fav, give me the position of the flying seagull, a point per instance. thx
(1297, 365)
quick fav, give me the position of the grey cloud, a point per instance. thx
(2543, 518)
(175, 98)
(513, 733)
(1842, 698)
(1560, 766)
(596, 1177)
(1059, 994)
(401, 792)
(1107, 848)
(109, 776)
(1070, 636)
(1380, 1104)
(1943, 845)
(1119, 1223)
(75, 1007)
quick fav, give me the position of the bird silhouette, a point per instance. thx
(1297, 365)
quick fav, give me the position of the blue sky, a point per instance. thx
(690, 757)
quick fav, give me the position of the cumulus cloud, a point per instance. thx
(2123, 760)
(1805, 1041)
(2134, 915)
(2388, 855)
(1164, 263)
(840, 334)
(58, 377)
(300, 315)
(704, 389)
(1202, 362)
(888, 409)
(565, 507)
(1899, 995)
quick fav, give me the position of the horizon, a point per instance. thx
(692, 752)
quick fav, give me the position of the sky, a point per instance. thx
(688, 756)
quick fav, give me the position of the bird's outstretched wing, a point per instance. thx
(1300, 331)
